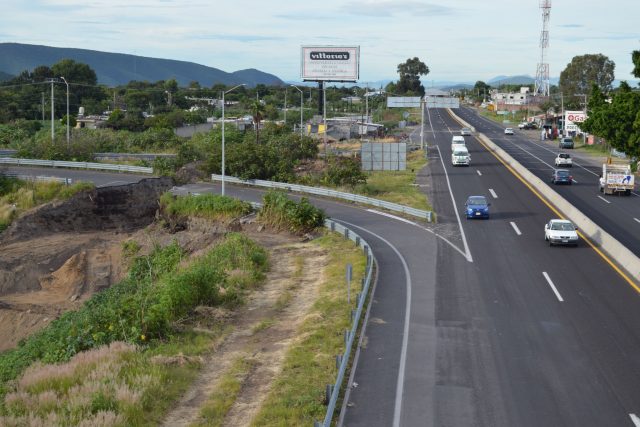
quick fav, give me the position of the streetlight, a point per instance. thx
(223, 94)
(301, 104)
(65, 81)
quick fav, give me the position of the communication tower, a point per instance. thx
(542, 73)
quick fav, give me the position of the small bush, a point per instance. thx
(281, 212)
(210, 206)
(344, 171)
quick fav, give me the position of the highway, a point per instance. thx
(618, 215)
(480, 322)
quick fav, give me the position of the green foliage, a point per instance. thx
(344, 171)
(635, 58)
(581, 73)
(281, 212)
(619, 121)
(212, 206)
(410, 72)
(156, 293)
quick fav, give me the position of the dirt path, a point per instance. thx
(263, 331)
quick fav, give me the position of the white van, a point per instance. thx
(460, 156)
(457, 141)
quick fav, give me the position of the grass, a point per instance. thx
(398, 186)
(211, 206)
(296, 396)
(216, 408)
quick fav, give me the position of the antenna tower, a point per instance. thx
(542, 73)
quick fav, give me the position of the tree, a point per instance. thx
(257, 112)
(635, 57)
(481, 90)
(619, 121)
(410, 72)
(83, 81)
(581, 73)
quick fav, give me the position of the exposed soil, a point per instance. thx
(51, 261)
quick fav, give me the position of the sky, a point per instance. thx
(459, 40)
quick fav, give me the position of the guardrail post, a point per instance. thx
(327, 393)
(346, 233)
(333, 226)
(317, 424)
(357, 240)
(353, 315)
(338, 361)
(346, 337)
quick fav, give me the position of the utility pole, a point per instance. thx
(285, 106)
(42, 93)
(52, 109)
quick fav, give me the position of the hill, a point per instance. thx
(115, 69)
(5, 76)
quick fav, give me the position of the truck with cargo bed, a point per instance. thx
(616, 179)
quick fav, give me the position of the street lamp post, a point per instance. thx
(223, 94)
(67, 83)
(301, 104)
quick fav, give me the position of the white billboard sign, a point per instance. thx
(572, 119)
(330, 63)
(403, 102)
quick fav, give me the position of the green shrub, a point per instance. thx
(344, 171)
(281, 212)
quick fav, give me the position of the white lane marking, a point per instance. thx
(388, 215)
(493, 193)
(515, 227)
(603, 199)
(455, 209)
(479, 173)
(405, 337)
(574, 181)
(546, 276)
(636, 219)
(635, 420)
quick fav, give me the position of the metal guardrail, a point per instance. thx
(66, 181)
(75, 165)
(334, 391)
(318, 191)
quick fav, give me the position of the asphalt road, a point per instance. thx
(480, 322)
(618, 215)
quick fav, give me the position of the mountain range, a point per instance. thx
(115, 69)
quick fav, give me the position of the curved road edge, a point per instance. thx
(623, 258)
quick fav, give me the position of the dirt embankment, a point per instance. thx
(56, 256)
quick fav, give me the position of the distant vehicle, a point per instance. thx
(457, 142)
(465, 131)
(564, 159)
(560, 232)
(616, 179)
(561, 176)
(522, 125)
(566, 143)
(477, 207)
(530, 125)
(508, 131)
(460, 156)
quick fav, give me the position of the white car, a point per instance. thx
(522, 125)
(508, 131)
(560, 232)
(465, 131)
(564, 159)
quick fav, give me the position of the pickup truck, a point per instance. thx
(616, 179)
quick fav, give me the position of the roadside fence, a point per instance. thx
(75, 165)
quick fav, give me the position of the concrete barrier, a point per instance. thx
(625, 259)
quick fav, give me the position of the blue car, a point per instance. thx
(477, 207)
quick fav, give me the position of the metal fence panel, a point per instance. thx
(76, 165)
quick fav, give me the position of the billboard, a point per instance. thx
(571, 121)
(330, 63)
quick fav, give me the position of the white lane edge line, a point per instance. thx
(604, 200)
(546, 276)
(636, 219)
(388, 215)
(479, 173)
(405, 337)
(493, 193)
(574, 181)
(455, 208)
(515, 227)
(635, 420)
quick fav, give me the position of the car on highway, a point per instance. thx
(561, 176)
(566, 143)
(560, 232)
(465, 131)
(457, 142)
(564, 159)
(508, 131)
(477, 207)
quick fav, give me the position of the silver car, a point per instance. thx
(560, 232)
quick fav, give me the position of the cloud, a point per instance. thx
(235, 37)
(571, 26)
(395, 7)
